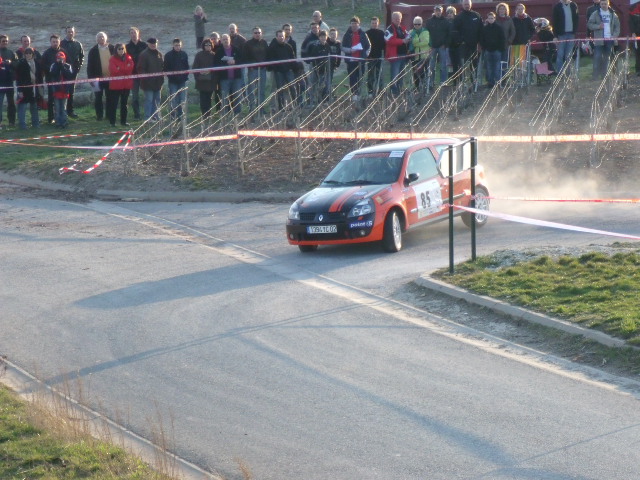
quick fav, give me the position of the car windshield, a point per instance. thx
(366, 169)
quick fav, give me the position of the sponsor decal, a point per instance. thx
(397, 153)
(361, 224)
(428, 198)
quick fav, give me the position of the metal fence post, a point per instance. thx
(450, 210)
(474, 163)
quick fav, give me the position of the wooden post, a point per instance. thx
(239, 145)
(185, 135)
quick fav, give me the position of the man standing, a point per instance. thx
(469, 24)
(134, 48)
(279, 50)
(374, 70)
(75, 58)
(321, 69)
(317, 18)
(151, 62)
(25, 42)
(176, 60)
(565, 24)
(439, 38)
(49, 58)
(8, 61)
(605, 25)
(634, 27)
(255, 51)
(356, 46)
(98, 67)
(397, 40)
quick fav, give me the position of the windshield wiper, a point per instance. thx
(360, 182)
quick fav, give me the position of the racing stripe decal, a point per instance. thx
(340, 201)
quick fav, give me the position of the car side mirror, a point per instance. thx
(412, 178)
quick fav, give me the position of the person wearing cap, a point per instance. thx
(151, 62)
(97, 68)
(61, 71)
(48, 59)
(439, 38)
(28, 75)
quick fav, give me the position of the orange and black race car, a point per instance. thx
(379, 192)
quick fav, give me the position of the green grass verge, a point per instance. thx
(595, 290)
(30, 451)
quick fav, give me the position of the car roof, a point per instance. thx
(405, 145)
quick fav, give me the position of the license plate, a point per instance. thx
(322, 229)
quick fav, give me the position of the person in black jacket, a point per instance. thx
(439, 39)
(8, 60)
(134, 48)
(75, 57)
(28, 75)
(454, 42)
(48, 59)
(469, 24)
(98, 67)
(376, 55)
(493, 42)
(565, 26)
(321, 73)
(255, 51)
(281, 51)
(176, 60)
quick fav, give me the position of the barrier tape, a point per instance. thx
(127, 136)
(543, 223)
(569, 200)
(51, 137)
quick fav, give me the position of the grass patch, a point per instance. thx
(594, 289)
(36, 444)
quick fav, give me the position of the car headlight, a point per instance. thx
(363, 207)
(294, 212)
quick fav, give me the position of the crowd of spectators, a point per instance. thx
(435, 47)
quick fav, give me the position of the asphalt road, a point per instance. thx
(299, 365)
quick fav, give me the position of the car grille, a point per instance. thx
(327, 217)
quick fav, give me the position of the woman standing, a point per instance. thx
(199, 19)
(205, 81)
(506, 22)
(120, 65)
(28, 74)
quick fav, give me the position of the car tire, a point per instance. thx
(308, 248)
(482, 203)
(392, 237)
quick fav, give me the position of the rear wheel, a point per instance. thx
(392, 238)
(308, 248)
(482, 203)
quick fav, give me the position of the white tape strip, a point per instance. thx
(543, 223)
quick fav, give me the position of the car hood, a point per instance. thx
(335, 199)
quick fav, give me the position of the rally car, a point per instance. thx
(377, 193)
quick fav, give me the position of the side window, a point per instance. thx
(461, 158)
(422, 162)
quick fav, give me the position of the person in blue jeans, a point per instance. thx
(231, 82)
(565, 25)
(61, 71)
(176, 60)
(151, 62)
(439, 38)
(28, 75)
(493, 41)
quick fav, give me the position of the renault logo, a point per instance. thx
(320, 218)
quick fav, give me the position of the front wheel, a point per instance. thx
(307, 248)
(482, 203)
(392, 238)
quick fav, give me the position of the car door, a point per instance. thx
(424, 196)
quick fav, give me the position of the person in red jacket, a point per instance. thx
(120, 65)
(396, 50)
